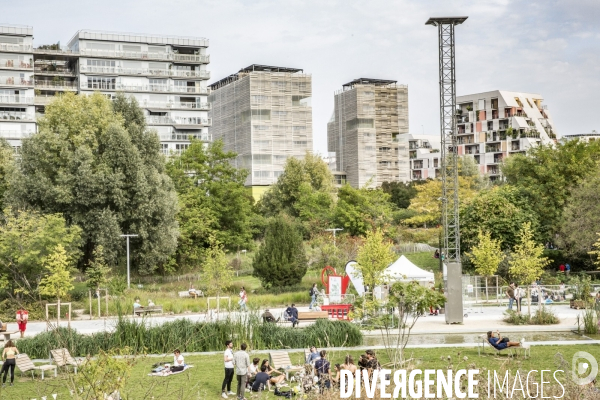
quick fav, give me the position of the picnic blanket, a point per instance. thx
(169, 373)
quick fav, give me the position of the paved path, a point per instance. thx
(489, 319)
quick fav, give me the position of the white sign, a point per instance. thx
(335, 289)
(469, 288)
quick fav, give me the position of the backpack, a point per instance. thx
(311, 292)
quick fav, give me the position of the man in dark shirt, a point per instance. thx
(261, 380)
(267, 316)
(322, 369)
(293, 314)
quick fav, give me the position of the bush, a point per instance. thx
(543, 317)
(191, 336)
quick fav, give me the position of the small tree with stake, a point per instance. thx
(217, 272)
(486, 256)
(58, 282)
(97, 273)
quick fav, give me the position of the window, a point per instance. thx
(368, 95)
(97, 82)
(101, 63)
(277, 174)
(181, 146)
(279, 159)
(132, 48)
(262, 143)
(260, 127)
(262, 174)
(256, 99)
(261, 115)
(280, 113)
(301, 143)
(261, 159)
(299, 128)
(358, 123)
(369, 148)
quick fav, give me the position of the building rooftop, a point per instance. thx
(574, 135)
(16, 30)
(252, 68)
(369, 81)
(435, 21)
(138, 38)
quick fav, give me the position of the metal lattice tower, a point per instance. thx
(449, 156)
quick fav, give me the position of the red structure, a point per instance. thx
(338, 311)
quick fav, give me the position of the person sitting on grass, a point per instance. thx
(313, 356)
(500, 343)
(323, 371)
(261, 380)
(253, 370)
(349, 365)
(277, 377)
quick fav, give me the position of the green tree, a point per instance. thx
(7, 169)
(58, 282)
(299, 175)
(548, 174)
(212, 199)
(27, 238)
(596, 251)
(501, 211)
(581, 217)
(217, 273)
(374, 256)
(360, 210)
(95, 162)
(486, 256)
(281, 260)
(401, 193)
(527, 263)
(98, 272)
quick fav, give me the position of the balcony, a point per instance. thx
(465, 140)
(11, 99)
(15, 64)
(176, 105)
(17, 82)
(43, 100)
(56, 85)
(419, 145)
(179, 137)
(174, 73)
(418, 165)
(54, 72)
(15, 134)
(416, 175)
(492, 149)
(192, 121)
(148, 88)
(144, 55)
(472, 150)
(15, 48)
(16, 116)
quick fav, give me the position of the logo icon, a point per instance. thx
(580, 368)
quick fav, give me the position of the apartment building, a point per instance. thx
(368, 132)
(264, 114)
(493, 125)
(424, 154)
(166, 74)
(584, 137)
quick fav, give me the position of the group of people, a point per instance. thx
(290, 314)
(137, 304)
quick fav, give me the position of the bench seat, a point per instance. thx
(311, 315)
(148, 310)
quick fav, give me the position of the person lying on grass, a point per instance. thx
(500, 343)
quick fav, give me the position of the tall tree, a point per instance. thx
(360, 210)
(27, 238)
(374, 256)
(500, 211)
(527, 263)
(401, 193)
(95, 162)
(58, 282)
(98, 272)
(596, 251)
(298, 175)
(7, 169)
(547, 175)
(213, 201)
(281, 260)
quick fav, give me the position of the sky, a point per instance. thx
(548, 47)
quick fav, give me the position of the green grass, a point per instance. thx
(424, 261)
(204, 380)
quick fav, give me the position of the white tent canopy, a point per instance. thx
(404, 270)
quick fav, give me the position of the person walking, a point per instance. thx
(243, 299)
(313, 296)
(510, 293)
(8, 356)
(241, 360)
(567, 269)
(229, 369)
(518, 296)
(22, 317)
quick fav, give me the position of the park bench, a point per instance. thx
(186, 293)
(25, 364)
(4, 327)
(312, 315)
(63, 358)
(7, 335)
(148, 310)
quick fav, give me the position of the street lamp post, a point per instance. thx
(128, 277)
(334, 230)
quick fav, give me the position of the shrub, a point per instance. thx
(541, 317)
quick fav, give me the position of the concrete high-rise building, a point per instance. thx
(424, 154)
(584, 137)
(264, 114)
(368, 132)
(166, 74)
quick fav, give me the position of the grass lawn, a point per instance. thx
(204, 380)
(424, 260)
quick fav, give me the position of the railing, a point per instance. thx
(177, 121)
(16, 64)
(43, 100)
(55, 85)
(142, 55)
(15, 134)
(144, 71)
(12, 81)
(181, 136)
(15, 47)
(63, 71)
(11, 99)
(170, 105)
(16, 116)
(146, 88)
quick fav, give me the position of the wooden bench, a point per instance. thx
(7, 335)
(4, 328)
(312, 315)
(148, 310)
(199, 293)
